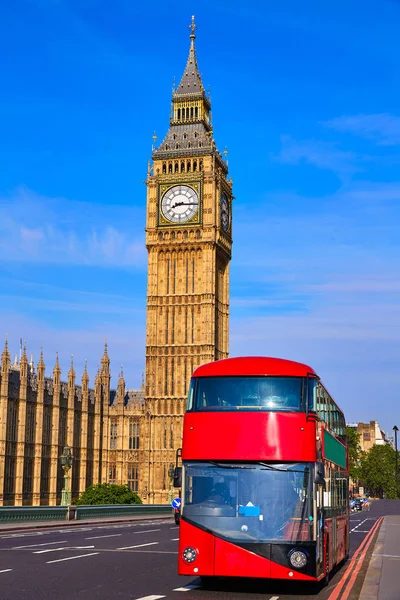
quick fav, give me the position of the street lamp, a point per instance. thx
(395, 429)
(171, 472)
(66, 463)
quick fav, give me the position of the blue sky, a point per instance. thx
(305, 98)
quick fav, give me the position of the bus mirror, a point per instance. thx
(319, 478)
(178, 477)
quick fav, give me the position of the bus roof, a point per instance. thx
(253, 366)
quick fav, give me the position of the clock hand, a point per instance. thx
(184, 204)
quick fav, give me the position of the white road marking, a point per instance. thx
(49, 562)
(139, 546)
(359, 531)
(187, 588)
(357, 526)
(5, 570)
(388, 555)
(62, 548)
(38, 545)
(174, 527)
(274, 598)
(175, 540)
(148, 531)
(153, 597)
(49, 550)
(98, 537)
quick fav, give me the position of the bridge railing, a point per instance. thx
(10, 514)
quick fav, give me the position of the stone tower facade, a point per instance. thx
(189, 240)
(39, 415)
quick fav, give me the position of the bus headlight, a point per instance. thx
(298, 559)
(189, 555)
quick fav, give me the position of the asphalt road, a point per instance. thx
(132, 561)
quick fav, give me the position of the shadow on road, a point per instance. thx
(244, 585)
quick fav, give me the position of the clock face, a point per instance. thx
(179, 204)
(224, 212)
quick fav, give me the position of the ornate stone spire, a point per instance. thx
(5, 358)
(85, 376)
(24, 363)
(121, 387)
(57, 371)
(191, 83)
(71, 374)
(105, 360)
(41, 367)
(190, 131)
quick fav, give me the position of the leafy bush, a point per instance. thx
(108, 493)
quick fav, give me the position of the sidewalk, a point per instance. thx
(382, 581)
(15, 526)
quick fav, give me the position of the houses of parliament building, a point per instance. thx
(131, 436)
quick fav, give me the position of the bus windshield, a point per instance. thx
(250, 502)
(251, 393)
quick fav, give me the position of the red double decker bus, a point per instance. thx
(264, 473)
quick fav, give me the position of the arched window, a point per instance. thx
(196, 112)
(201, 165)
(188, 166)
(177, 146)
(182, 167)
(189, 145)
(195, 165)
(176, 167)
(166, 146)
(179, 114)
(200, 144)
(191, 113)
(184, 136)
(187, 113)
(174, 136)
(185, 235)
(169, 167)
(164, 167)
(195, 134)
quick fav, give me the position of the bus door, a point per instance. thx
(319, 523)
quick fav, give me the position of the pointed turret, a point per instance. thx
(41, 367)
(121, 388)
(71, 374)
(57, 372)
(24, 363)
(105, 361)
(5, 358)
(85, 378)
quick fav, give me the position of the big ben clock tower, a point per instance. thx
(189, 240)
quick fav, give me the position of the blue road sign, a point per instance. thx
(176, 503)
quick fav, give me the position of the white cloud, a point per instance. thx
(57, 231)
(322, 155)
(382, 128)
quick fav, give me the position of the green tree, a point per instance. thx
(108, 493)
(355, 453)
(378, 471)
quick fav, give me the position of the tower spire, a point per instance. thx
(193, 28)
(191, 83)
